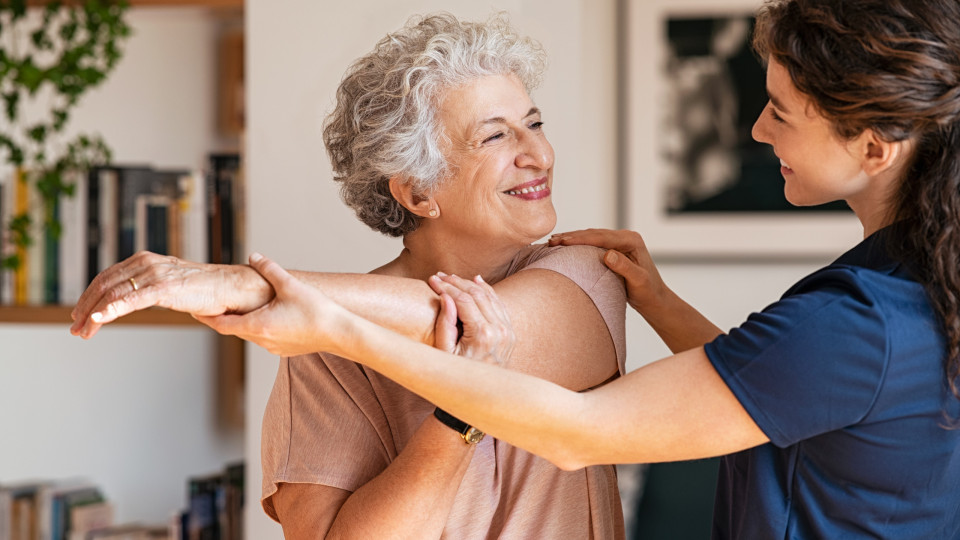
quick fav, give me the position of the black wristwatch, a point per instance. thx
(470, 434)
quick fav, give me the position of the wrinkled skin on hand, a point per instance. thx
(168, 282)
(487, 333)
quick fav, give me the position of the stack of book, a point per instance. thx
(76, 509)
(115, 212)
(45, 510)
(214, 507)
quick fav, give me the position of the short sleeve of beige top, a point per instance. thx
(333, 422)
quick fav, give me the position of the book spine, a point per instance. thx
(73, 264)
(93, 225)
(36, 253)
(109, 216)
(51, 260)
(193, 217)
(6, 515)
(6, 277)
(21, 208)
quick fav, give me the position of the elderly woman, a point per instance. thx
(434, 138)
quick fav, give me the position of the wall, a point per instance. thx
(295, 214)
(133, 409)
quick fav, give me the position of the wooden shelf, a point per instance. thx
(61, 315)
(167, 3)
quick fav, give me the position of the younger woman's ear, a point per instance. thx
(880, 156)
(404, 193)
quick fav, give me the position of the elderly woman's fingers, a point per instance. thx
(487, 332)
(108, 286)
(147, 279)
(445, 331)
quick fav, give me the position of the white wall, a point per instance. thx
(134, 408)
(297, 52)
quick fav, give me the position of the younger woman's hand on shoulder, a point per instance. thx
(626, 255)
(298, 320)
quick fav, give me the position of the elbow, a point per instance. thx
(569, 465)
(567, 459)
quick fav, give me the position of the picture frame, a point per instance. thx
(657, 159)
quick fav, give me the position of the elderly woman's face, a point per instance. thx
(501, 163)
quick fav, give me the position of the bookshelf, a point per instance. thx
(145, 406)
(167, 3)
(229, 120)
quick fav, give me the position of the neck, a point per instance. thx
(874, 207)
(425, 254)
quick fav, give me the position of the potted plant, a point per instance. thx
(49, 58)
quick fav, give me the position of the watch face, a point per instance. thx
(473, 435)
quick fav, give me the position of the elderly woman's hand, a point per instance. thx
(487, 333)
(298, 320)
(147, 279)
(627, 255)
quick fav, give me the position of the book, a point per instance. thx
(18, 510)
(203, 522)
(193, 218)
(102, 226)
(129, 532)
(225, 195)
(50, 239)
(68, 504)
(88, 517)
(21, 207)
(6, 276)
(48, 502)
(154, 217)
(134, 182)
(72, 271)
(36, 252)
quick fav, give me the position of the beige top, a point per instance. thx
(333, 422)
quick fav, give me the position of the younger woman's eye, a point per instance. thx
(776, 117)
(536, 126)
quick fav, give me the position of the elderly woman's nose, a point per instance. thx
(534, 151)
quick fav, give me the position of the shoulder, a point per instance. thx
(825, 345)
(582, 264)
(829, 308)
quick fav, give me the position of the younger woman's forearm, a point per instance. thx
(679, 325)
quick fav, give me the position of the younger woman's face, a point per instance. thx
(817, 165)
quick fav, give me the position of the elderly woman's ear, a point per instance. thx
(406, 195)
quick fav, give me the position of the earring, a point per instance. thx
(433, 212)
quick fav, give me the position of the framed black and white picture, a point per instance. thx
(698, 184)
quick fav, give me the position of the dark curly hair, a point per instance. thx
(892, 66)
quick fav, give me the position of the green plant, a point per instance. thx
(53, 57)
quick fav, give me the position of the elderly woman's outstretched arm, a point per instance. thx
(558, 324)
(676, 408)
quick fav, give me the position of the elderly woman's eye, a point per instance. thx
(494, 137)
(537, 125)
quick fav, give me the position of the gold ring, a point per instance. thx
(134, 283)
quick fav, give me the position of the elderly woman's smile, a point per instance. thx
(500, 162)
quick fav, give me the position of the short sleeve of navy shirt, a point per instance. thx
(845, 376)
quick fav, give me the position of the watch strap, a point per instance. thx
(470, 435)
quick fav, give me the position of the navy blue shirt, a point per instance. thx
(845, 375)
